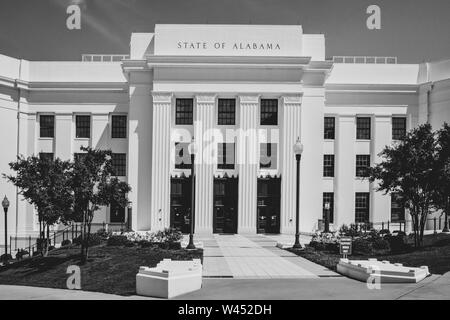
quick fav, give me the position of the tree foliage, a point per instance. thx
(409, 168)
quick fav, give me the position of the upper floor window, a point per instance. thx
(119, 126)
(268, 156)
(328, 165)
(362, 207)
(398, 128)
(269, 112)
(363, 128)
(119, 163)
(362, 165)
(328, 197)
(225, 157)
(46, 156)
(47, 126)
(83, 126)
(329, 125)
(182, 156)
(184, 111)
(227, 112)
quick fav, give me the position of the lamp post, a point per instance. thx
(298, 150)
(327, 216)
(446, 216)
(5, 205)
(192, 151)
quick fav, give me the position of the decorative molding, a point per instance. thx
(296, 99)
(207, 98)
(249, 98)
(162, 97)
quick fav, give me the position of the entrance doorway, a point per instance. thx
(180, 204)
(268, 217)
(225, 205)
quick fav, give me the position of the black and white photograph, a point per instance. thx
(218, 158)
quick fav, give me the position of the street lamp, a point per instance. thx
(5, 205)
(298, 150)
(327, 216)
(192, 150)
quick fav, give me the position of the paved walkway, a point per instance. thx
(254, 257)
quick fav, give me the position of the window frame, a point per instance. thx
(123, 166)
(325, 136)
(41, 128)
(268, 120)
(359, 168)
(396, 136)
(89, 128)
(326, 166)
(366, 209)
(112, 126)
(183, 165)
(363, 133)
(177, 111)
(221, 120)
(222, 154)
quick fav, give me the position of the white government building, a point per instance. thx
(246, 93)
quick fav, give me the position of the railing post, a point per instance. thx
(382, 225)
(72, 231)
(435, 225)
(440, 222)
(389, 226)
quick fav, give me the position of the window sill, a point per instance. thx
(46, 138)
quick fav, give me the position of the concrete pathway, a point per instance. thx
(254, 257)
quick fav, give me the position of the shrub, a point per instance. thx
(325, 242)
(362, 246)
(381, 244)
(21, 253)
(168, 235)
(94, 240)
(65, 243)
(119, 240)
(350, 231)
(146, 244)
(398, 243)
(3, 256)
(102, 233)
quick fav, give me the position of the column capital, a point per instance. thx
(291, 99)
(162, 97)
(249, 98)
(205, 97)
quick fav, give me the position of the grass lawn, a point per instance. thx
(109, 269)
(436, 257)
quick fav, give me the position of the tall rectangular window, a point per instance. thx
(328, 165)
(226, 112)
(328, 197)
(117, 213)
(182, 156)
(397, 208)
(398, 128)
(46, 156)
(362, 165)
(184, 111)
(363, 128)
(225, 157)
(83, 126)
(361, 207)
(119, 126)
(269, 112)
(119, 163)
(268, 155)
(329, 128)
(46, 126)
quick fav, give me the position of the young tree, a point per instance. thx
(408, 169)
(43, 183)
(94, 184)
(442, 173)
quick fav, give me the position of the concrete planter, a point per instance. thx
(383, 271)
(169, 278)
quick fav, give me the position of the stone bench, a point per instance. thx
(169, 278)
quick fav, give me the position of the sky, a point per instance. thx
(413, 30)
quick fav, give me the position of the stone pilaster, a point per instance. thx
(247, 162)
(290, 127)
(204, 168)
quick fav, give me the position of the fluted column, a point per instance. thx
(161, 144)
(290, 126)
(247, 160)
(204, 167)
